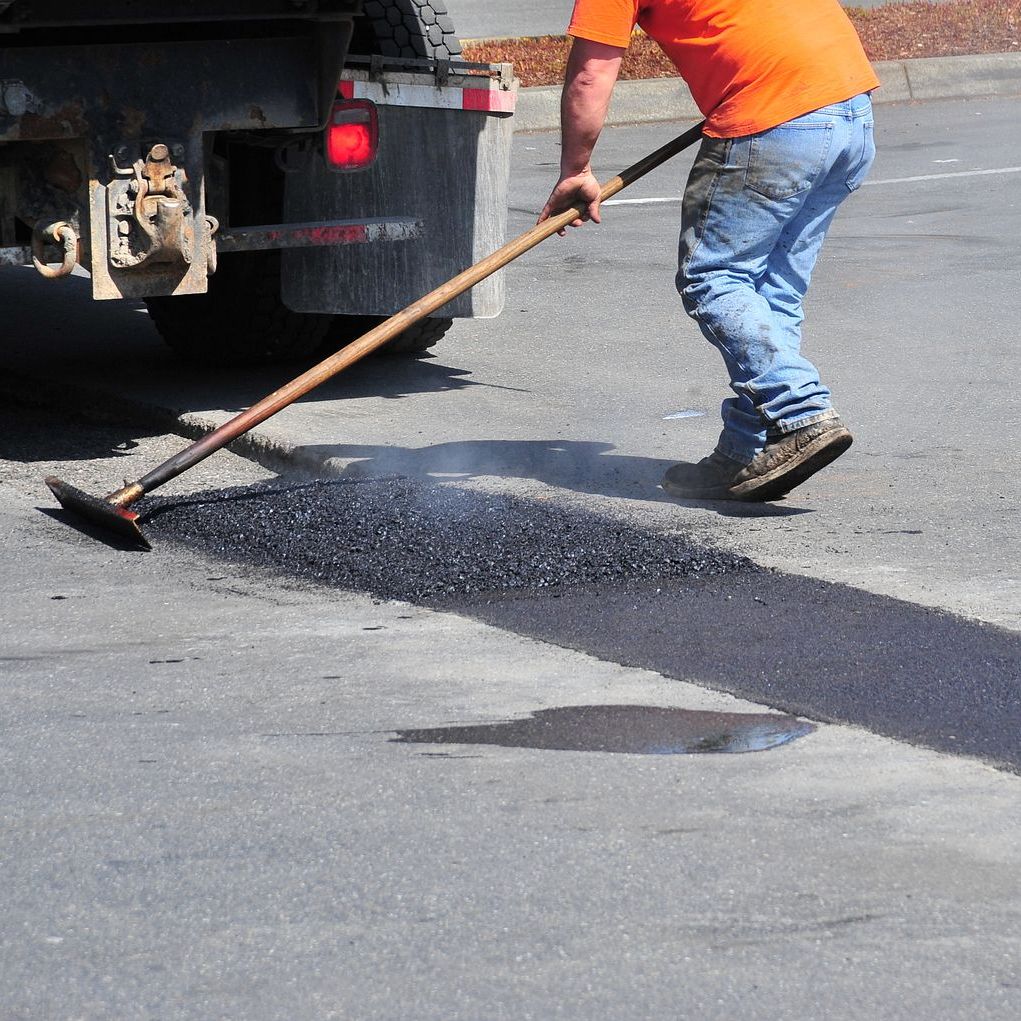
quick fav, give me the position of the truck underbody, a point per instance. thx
(137, 141)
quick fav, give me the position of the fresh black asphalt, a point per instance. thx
(400, 539)
(826, 651)
(662, 601)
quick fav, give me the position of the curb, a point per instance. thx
(97, 404)
(668, 99)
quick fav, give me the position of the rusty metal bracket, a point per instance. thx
(151, 220)
(61, 234)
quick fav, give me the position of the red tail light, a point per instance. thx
(352, 135)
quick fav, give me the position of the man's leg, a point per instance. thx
(755, 214)
(790, 264)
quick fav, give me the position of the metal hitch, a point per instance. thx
(60, 234)
(150, 217)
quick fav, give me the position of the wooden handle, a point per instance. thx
(386, 331)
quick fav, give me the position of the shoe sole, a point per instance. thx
(822, 451)
(709, 494)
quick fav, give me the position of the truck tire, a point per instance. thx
(241, 319)
(418, 339)
(415, 340)
(405, 28)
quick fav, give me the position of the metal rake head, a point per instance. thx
(98, 511)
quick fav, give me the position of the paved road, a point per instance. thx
(205, 813)
(480, 19)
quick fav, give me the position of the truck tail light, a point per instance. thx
(352, 135)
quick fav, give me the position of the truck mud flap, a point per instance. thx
(443, 159)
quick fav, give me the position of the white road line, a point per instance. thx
(640, 202)
(941, 177)
(888, 180)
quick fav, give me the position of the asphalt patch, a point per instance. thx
(808, 647)
(399, 539)
(659, 601)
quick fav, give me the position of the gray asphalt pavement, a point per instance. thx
(207, 811)
(483, 19)
(219, 802)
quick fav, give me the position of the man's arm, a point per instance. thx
(592, 70)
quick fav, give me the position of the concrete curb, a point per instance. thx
(668, 99)
(98, 404)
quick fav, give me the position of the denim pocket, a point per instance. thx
(787, 159)
(868, 154)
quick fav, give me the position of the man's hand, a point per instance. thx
(578, 189)
(592, 70)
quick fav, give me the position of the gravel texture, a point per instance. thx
(892, 32)
(399, 539)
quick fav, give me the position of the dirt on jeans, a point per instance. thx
(892, 32)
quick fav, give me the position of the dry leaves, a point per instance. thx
(892, 32)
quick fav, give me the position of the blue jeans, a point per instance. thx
(756, 210)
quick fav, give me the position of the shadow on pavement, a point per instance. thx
(30, 434)
(55, 333)
(587, 466)
(112, 346)
(91, 531)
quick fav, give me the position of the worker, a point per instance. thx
(784, 86)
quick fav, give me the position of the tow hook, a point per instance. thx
(61, 234)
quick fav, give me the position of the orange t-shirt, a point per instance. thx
(750, 64)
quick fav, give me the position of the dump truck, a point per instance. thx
(268, 176)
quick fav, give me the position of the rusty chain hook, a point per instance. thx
(55, 234)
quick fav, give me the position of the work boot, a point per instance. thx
(787, 460)
(709, 479)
